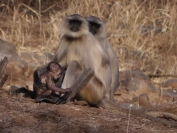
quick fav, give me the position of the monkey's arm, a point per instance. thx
(81, 81)
(50, 85)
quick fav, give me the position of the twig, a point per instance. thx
(48, 8)
(3, 65)
(129, 118)
(3, 80)
(158, 76)
(162, 114)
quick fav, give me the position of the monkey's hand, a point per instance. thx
(68, 90)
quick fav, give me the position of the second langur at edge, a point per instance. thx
(98, 29)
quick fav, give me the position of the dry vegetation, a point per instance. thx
(142, 32)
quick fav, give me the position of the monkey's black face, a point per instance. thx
(94, 27)
(75, 25)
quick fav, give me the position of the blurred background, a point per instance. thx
(143, 33)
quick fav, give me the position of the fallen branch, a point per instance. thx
(161, 121)
(3, 65)
(162, 114)
(158, 76)
(151, 116)
(3, 80)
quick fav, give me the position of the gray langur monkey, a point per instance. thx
(98, 29)
(88, 70)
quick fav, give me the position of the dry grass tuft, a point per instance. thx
(141, 32)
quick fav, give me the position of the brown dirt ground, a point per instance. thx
(22, 115)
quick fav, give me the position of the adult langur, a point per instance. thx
(98, 29)
(88, 71)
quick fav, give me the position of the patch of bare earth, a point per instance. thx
(18, 114)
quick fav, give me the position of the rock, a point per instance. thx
(169, 95)
(169, 90)
(16, 66)
(136, 81)
(132, 59)
(142, 100)
(7, 49)
(137, 103)
(171, 83)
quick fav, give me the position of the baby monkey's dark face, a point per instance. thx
(75, 25)
(55, 70)
(54, 67)
(93, 27)
(57, 74)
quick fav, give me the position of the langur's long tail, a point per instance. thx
(27, 93)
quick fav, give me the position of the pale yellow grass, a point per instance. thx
(145, 27)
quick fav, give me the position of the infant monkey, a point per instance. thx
(49, 80)
(47, 84)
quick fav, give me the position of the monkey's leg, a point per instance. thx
(71, 74)
(80, 82)
(46, 98)
(77, 79)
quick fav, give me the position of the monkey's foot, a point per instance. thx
(65, 99)
(61, 100)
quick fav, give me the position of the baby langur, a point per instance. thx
(46, 85)
(50, 78)
(98, 29)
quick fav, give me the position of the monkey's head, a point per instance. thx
(96, 26)
(54, 69)
(75, 26)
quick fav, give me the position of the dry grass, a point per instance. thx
(142, 32)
